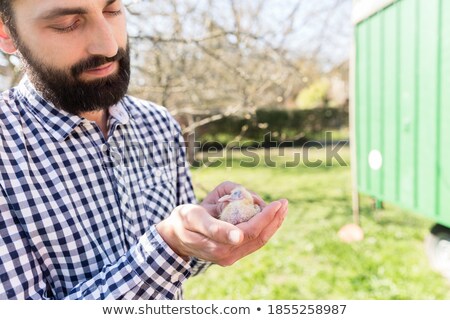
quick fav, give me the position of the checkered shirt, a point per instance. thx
(78, 211)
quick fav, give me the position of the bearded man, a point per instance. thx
(96, 200)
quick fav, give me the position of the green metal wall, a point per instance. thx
(402, 106)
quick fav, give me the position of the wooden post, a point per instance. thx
(352, 127)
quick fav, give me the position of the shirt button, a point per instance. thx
(175, 279)
(158, 173)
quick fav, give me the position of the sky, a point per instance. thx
(323, 24)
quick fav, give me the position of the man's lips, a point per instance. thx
(103, 70)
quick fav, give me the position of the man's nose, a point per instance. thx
(101, 40)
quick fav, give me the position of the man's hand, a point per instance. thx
(193, 230)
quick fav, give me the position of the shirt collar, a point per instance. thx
(120, 113)
(57, 122)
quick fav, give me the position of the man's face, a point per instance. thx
(74, 51)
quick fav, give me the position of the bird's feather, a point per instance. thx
(238, 206)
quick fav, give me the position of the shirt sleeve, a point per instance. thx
(149, 270)
(185, 190)
(20, 273)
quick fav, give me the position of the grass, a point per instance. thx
(305, 259)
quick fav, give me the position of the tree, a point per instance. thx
(206, 59)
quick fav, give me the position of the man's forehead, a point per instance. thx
(43, 8)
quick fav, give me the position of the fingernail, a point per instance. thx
(278, 205)
(234, 236)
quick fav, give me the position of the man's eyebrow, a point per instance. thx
(58, 12)
(109, 2)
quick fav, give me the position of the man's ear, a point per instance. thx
(6, 43)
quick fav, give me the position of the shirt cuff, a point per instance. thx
(158, 265)
(199, 266)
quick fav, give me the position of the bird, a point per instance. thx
(238, 206)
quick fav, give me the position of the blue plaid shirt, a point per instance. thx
(78, 211)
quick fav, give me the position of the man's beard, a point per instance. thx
(68, 92)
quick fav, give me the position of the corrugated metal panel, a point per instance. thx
(444, 119)
(361, 96)
(376, 94)
(408, 97)
(402, 110)
(390, 102)
(427, 105)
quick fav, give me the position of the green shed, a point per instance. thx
(400, 109)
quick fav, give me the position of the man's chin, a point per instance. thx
(84, 91)
(98, 82)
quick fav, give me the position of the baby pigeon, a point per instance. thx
(238, 206)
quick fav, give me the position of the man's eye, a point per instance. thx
(70, 28)
(114, 12)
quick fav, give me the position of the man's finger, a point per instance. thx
(265, 235)
(259, 201)
(197, 219)
(255, 225)
(273, 227)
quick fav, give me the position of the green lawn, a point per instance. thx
(306, 260)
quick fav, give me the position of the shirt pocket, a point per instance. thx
(158, 193)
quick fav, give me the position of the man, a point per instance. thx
(96, 200)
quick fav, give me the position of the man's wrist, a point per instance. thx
(169, 237)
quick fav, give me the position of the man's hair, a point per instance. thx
(7, 15)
